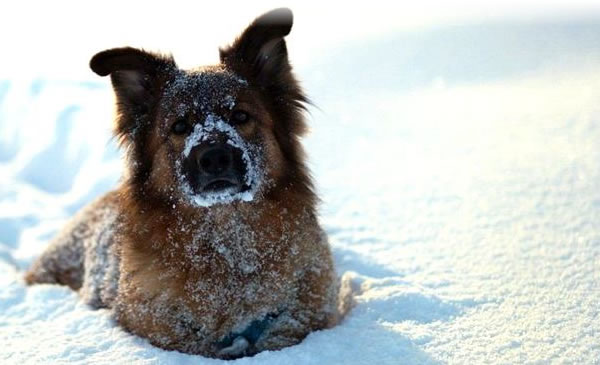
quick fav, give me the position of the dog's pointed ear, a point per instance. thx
(260, 51)
(134, 73)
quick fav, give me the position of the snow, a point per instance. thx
(459, 171)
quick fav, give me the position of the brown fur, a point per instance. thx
(194, 278)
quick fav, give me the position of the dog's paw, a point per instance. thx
(237, 344)
(237, 348)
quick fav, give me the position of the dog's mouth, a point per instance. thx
(217, 173)
(230, 185)
(218, 185)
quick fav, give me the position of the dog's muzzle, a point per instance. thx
(217, 167)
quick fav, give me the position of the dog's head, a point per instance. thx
(214, 134)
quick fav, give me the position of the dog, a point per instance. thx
(210, 244)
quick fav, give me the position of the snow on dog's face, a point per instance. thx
(212, 135)
(210, 128)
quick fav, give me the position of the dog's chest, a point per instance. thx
(237, 257)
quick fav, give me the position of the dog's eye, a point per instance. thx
(239, 117)
(180, 127)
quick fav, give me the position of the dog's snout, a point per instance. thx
(215, 160)
(215, 167)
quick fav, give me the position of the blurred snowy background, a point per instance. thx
(455, 146)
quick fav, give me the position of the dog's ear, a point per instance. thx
(135, 75)
(260, 51)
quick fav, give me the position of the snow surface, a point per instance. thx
(459, 170)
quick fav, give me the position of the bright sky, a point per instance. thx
(58, 38)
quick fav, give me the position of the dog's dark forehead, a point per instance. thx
(202, 90)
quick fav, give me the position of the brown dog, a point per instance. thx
(211, 244)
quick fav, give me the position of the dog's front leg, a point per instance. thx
(315, 308)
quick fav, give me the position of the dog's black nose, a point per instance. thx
(216, 167)
(214, 161)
